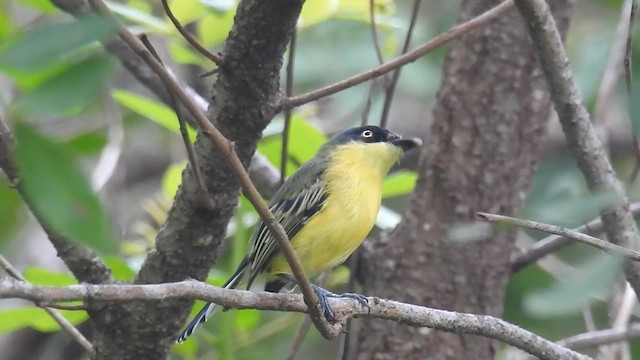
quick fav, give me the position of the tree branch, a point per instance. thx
(64, 324)
(452, 34)
(567, 233)
(581, 139)
(412, 315)
(85, 265)
(266, 176)
(553, 243)
(601, 337)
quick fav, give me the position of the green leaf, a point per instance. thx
(12, 212)
(47, 324)
(399, 183)
(172, 179)
(44, 277)
(185, 55)
(304, 142)
(576, 290)
(248, 320)
(187, 11)
(59, 191)
(139, 17)
(42, 46)
(119, 268)
(70, 91)
(215, 27)
(16, 319)
(89, 143)
(42, 5)
(155, 111)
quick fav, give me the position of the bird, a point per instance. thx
(327, 208)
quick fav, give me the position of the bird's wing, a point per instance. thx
(293, 205)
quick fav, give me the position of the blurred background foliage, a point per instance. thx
(76, 108)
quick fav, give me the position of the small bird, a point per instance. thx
(327, 208)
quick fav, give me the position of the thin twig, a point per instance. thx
(453, 33)
(227, 148)
(216, 59)
(59, 306)
(568, 233)
(628, 57)
(81, 260)
(391, 88)
(57, 317)
(553, 243)
(298, 339)
(591, 158)
(601, 337)
(376, 47)
(193, 161)
(284, 156)
(412, 315)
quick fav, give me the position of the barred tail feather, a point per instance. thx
(209, 309)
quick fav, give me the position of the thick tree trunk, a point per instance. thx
(488, 125)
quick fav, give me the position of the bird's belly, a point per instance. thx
(333, 234)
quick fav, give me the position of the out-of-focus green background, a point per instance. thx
(84, 113)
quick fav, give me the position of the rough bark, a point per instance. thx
(492, 109)
(247, 91)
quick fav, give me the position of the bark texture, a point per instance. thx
(247, 91)
(493, 105)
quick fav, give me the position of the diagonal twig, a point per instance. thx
(391, 88)
(584, 144)
(411, 56)
(227, 148)
(553, 243)
(567, 233)
(287, 112)
(64, 323)
(216, 59)
(207, 199)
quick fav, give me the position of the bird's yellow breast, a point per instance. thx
(354, 189)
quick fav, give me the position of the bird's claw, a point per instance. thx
(324, 303)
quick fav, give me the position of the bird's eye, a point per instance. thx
(367, 134)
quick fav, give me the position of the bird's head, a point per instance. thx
(371, 145)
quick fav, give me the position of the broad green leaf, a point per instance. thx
(248, 320)
(44, 277)
(172, 179)
(316, 11)
(12, 211)
(187, 11)
(214, 27)
(576, 290)
(304, 142)
(185, 55)
(59, 191)
(47, 324)
(89, 143)
(16, 319)
(38, 319)
(42, 5)
(119, 268)
(155, 111)
(139, 17)
(42, 46)
(6, 26)
(399, 183)
(71, 91)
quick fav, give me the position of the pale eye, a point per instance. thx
(367, 134)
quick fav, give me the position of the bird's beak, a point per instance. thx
(407, 143)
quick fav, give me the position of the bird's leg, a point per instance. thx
(324, 294)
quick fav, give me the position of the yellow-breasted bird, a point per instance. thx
(327, 208)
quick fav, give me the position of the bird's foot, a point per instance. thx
(323, 295)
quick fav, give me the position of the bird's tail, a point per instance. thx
(210, 308)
